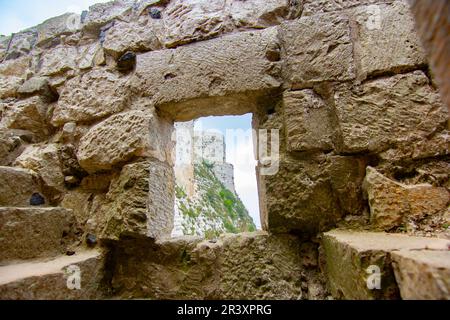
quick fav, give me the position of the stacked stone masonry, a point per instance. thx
(87, 106)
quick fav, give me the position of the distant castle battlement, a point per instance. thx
(194, 146)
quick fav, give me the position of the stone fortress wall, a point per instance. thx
(87, 109)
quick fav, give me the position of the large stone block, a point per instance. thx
(194, 20)
(91, 96)
(123, 137)
(312, 7)
(44, 160)
(101, 13)
(308, 122)
(58, 60)
(245, 266)
(181, 80)
(262, 14)
(140, 36)
(316, 49)
(51, 29)
(9, 86)
(392, 203)
(386, 39)
(29, 233)
(352, 259)
(16, 68)
(140, 202)
(29, 114)
(17, 186)
(387, 112)
(47, 280)
(422, 275)
(21, 44)
(10, 147)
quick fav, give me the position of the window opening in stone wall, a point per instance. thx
(216, 188)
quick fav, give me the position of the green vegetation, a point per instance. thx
(219, 209)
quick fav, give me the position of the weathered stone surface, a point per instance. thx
(29, 233)
(17, 186)
(58, 60)
(52, 28)
(423, 275)
(91, 96)
(349, 254)
(47, 280)
(37, 86)
(123, 137)
(299, 198)
(391, 203)
(15, 68)
(245, 266)
(387, 40)
(179, 80)
(317, 49)
(10, 147)
(21, 43)
(389, 111)
(29, 114)
(194, 20)
(261, 14)
(90, 56)
(9, 86)
(143, 35)
(101, 13)
(432, 25)
(140, 202)
(4, 42)
(312, 7)
(307, 121)
(44, 160)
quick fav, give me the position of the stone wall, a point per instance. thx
(88, 104)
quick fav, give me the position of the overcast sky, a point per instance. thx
(17, 15)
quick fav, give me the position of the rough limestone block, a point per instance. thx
(101, 13)
(123, 137)
(308, 122)
(58, 60)
(17, 186)
(15, 68)
(300, 197)
(48, 280)
(140, 202)
(9, 86)
(10, 147)
(422, 275)
(44, 160)
(37, 86)
(391, 203)
(194, 20)
(262, 14)
(28, 233)
(142, 35)
(179, 81)
(387, 40)
(29, 114)
(91, 96)
(397, 110)
(21, 44)
(316, 49)
(349, 254)
(52, 28)
(245, 266)
(311, 7)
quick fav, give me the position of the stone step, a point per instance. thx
(356, 260)
(422, 275)
(32, 232)
(55, 279)
(17, 187)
